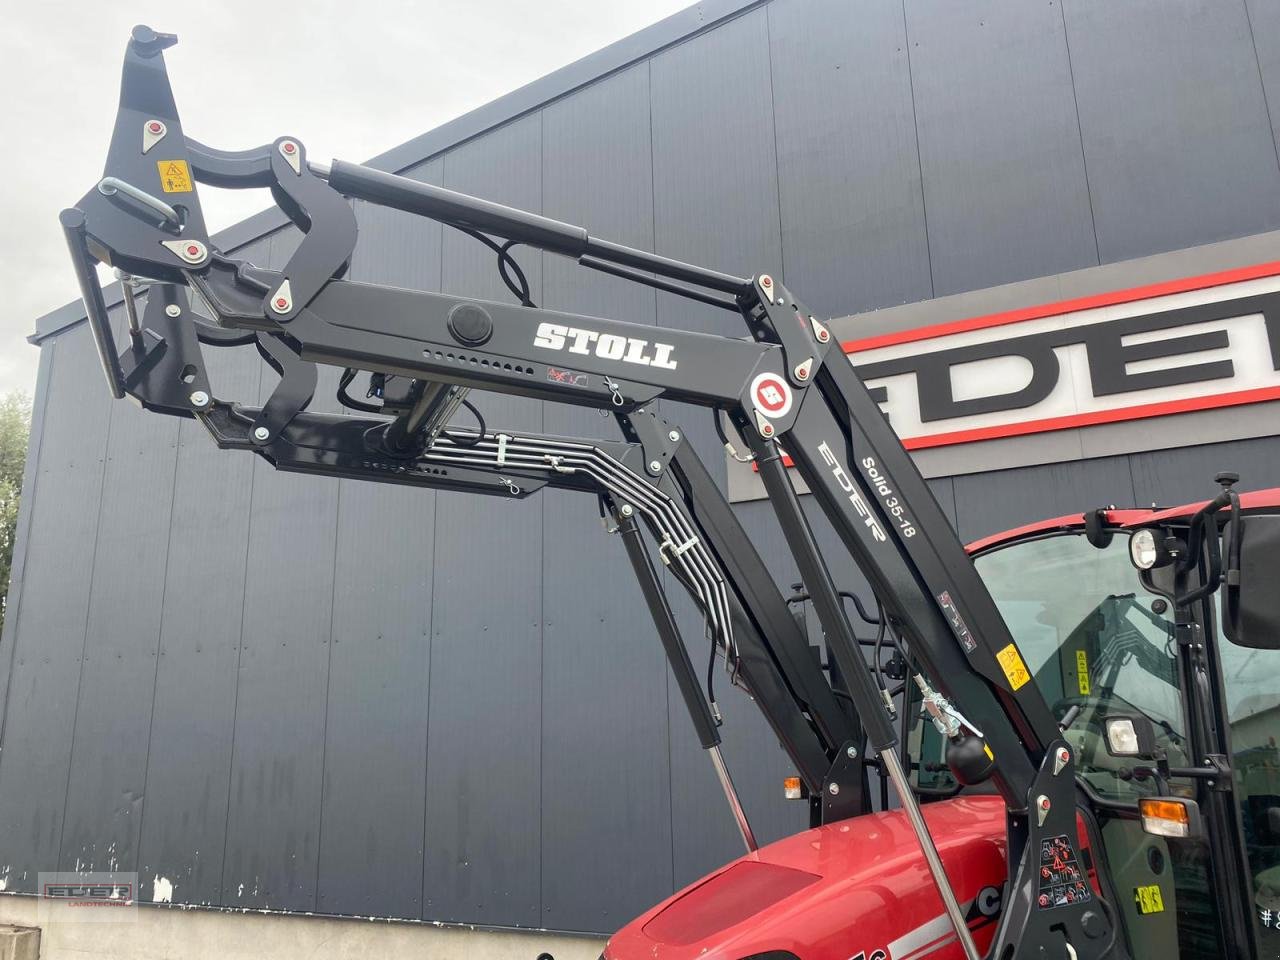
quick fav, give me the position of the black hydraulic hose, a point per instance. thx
(347, 400)
(464, 440)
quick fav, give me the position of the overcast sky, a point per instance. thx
(350, 79)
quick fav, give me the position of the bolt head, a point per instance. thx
(155, 126)
(833, 789)
(282, 303)
(261, 433)
(802, 373)
(655, 466)
(193, 250)
(851, 753)
(1043, 803)
(290, 146)
(627, 510)
(199, 399)
(766, 281)
(173, 310)
(767, 430)
(1064, 754)
(674, 436)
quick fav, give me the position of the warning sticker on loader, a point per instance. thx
(1015, 670)
(1062, 882)
(174, 176)
(1148, 899)
(1082, 672)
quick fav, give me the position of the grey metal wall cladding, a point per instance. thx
(307, 694)
(1174, 122)
(1005, 192)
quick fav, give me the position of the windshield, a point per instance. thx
(1092, 638)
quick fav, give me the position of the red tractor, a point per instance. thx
(1097, 773)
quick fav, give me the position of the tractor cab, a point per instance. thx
(1154, 635)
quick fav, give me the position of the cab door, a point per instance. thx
(1097, 643)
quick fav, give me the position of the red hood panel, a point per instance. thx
(728, 898)
(859, 885)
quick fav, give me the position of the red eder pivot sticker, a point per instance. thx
(771, 395)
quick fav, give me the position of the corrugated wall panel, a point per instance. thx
(853, 230)
(371, 840)
(49, 635)
(1171, 477)
(13, 598)
(605, 774)
(988, 503)
(371, 837)
(117, 678)
(1264, 31)
(1175, 126)
(483, 858)
(1005, 195)
(184, 810)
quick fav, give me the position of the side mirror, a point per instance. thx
(1130, 735)
(1251, 606)
(1174, 817)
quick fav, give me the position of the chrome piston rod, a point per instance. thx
(912, 807)
(731, 794)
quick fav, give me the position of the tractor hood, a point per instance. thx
(859, 887)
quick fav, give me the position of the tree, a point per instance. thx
(15, 425)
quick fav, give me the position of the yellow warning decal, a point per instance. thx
(987, 750)
(1082, 672)
(1148, 899)
(1014, 669)
(174, 176)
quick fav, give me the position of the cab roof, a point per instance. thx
(1124, 518)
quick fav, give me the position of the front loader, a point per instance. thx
(1006, 834)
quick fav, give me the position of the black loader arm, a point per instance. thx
(785, 382)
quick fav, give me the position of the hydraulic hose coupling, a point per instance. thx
(939, 709)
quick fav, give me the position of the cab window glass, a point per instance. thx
(1093, 639)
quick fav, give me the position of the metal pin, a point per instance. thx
(199, 399)
(282, 299)
(616, 398)
(1061, 758)
(292, 155)
(153, 131)
(192, 251)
